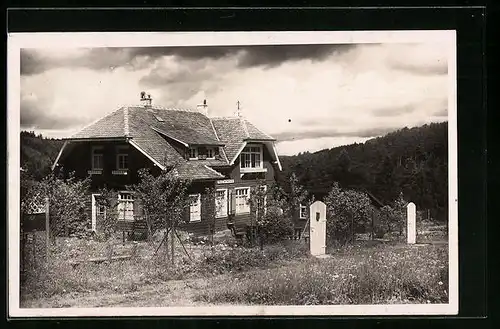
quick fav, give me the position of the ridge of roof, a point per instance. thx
(245, 128)
(126, 130)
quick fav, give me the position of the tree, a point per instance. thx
(399, 208)
(267, 203)
(296, 197)
(163, 197)
(347, 211)
(66, 203)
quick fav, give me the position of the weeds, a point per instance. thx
(391, 275)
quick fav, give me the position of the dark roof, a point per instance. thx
(235, 131)
(196, 171)
(151, 128)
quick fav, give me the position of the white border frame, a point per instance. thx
(16, 41)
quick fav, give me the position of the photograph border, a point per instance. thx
(16, 41)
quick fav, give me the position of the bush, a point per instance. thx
(274, 226)
(66, 204)
(348, 211)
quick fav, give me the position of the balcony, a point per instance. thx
(120, 172)
(95, 172)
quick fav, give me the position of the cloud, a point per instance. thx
(34, 115)
(35, 61)
(299, 94)
(393, 110)
(332, 132)
(420, 59)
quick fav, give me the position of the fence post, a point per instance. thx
(34, 248)
(47, 227)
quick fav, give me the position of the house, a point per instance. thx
(229, 154)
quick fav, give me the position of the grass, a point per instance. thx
(385, 275)
(57, 275)
(368, 272)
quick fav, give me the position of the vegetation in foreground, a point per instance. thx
(59, 275)
(382, 275)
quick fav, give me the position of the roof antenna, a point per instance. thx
(238, 109)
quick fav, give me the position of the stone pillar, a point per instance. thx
(317, 228)
(411, 223)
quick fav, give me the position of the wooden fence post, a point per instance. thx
(172, 242)
(47, 227)
(34, 248)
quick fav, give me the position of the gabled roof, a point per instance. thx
(235, 131)
(149, 129)
(196, 171)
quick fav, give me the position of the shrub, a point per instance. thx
(347, 212)
(66, 204)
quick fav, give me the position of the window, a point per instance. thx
(210, 153)
(195, 208)
(122, 158)
(221, 203)
(125, 206)
(97, 158)
(193, 153)
(251, 157)
(98, 211)
(303, 212)
(242, 196)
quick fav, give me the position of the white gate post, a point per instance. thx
(411, 224)
(317, 228)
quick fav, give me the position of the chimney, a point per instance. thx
(146, 100)
(203, 108)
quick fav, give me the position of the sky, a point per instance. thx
(309, 97)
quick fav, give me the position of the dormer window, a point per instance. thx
(210, 153)
(193, 153)
(251, 157)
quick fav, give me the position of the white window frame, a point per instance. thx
(195, 209)
(302, 215)
(128, 200)
(96, 211)
(195, 149)
(260, 165)
(221, 212)
(242, 207)
(121, 152)
(99, 154)
(210, 150)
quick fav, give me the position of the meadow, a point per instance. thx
(368, 272)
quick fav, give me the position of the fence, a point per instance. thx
(34, 232)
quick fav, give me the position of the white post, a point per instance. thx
(411, 223)
(317, 228)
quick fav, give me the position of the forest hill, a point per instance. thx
(413, 161)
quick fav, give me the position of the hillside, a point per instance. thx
(38, 153)
(413, 161)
